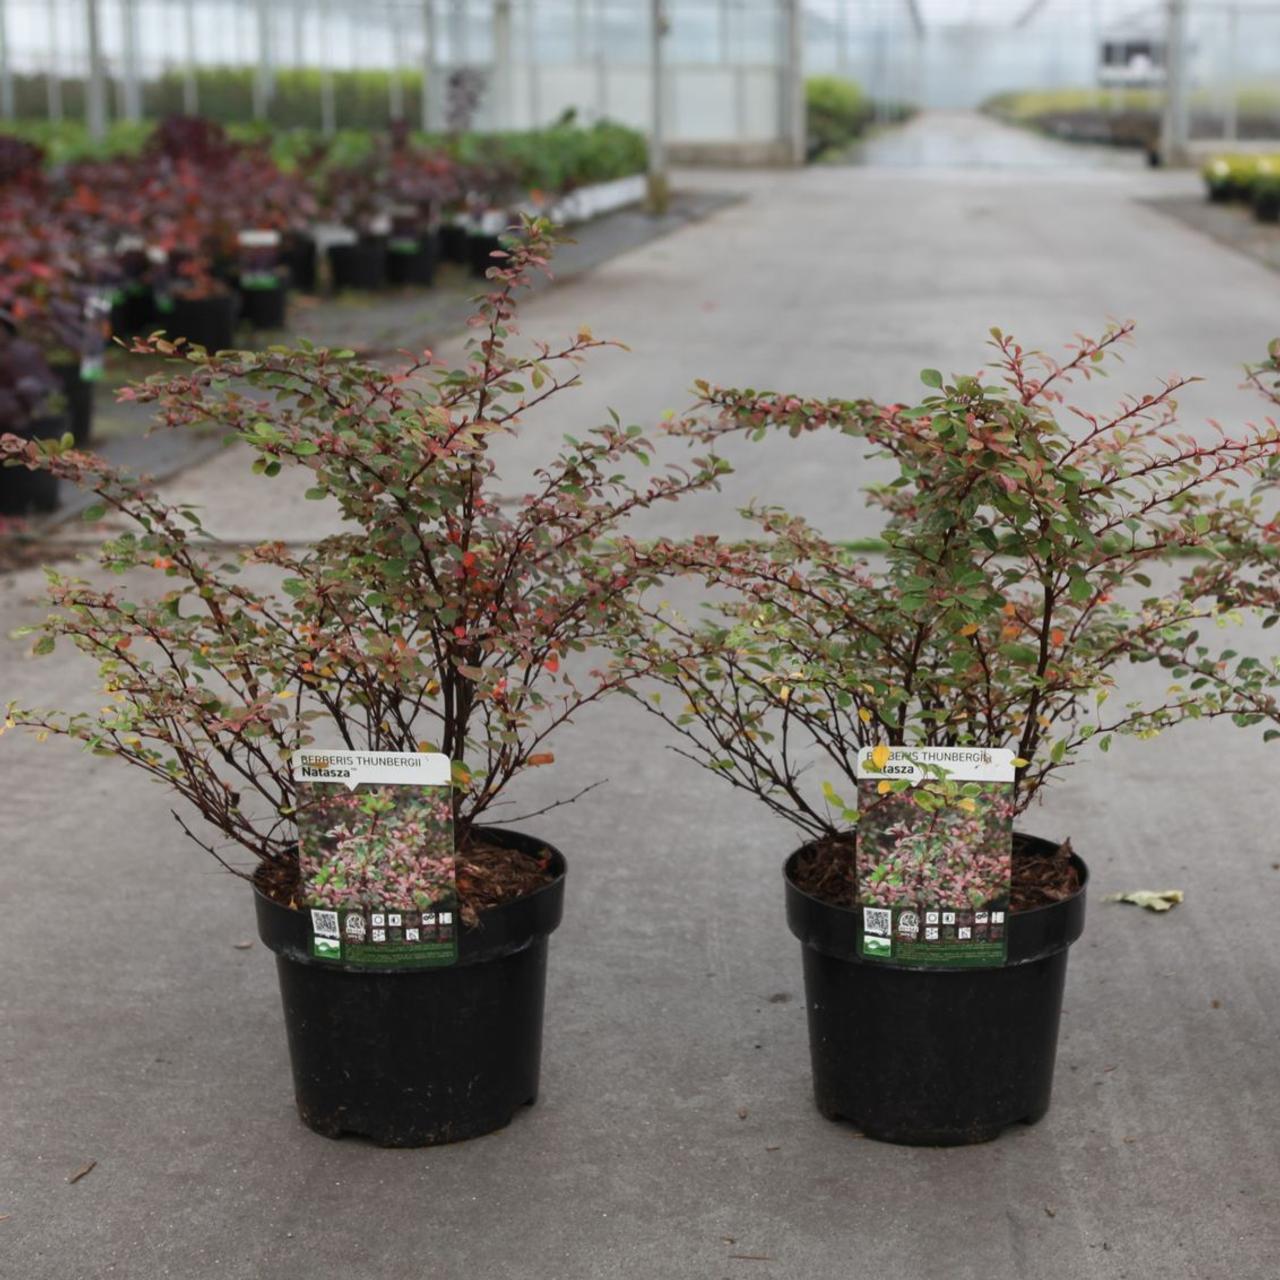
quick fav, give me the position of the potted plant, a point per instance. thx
(1265, 191)
(28, 389)
(196, 304)
(1018, 578)
(420, 181)
(353, 194)
(439, 616)
(262, 279)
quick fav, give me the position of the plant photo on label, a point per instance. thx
(948, 855)
(375, 847)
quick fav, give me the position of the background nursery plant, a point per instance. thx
(1020, 576)
(436, 617)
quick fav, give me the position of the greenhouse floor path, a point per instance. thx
(675, 1136)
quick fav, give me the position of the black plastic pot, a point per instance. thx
(78, 393)
(299, 257)
(929, 1056)
(418, 1057)
(362, 265)
(133, 310)
(264, 306)
(23, 492)
(1266, 206)
(412, 260)
(207, 322)
(480, 247)
(455, 244)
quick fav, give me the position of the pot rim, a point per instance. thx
(502, 929)
(835, 929)
(1078, 862)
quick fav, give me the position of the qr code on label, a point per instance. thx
(877, 920)
(325, 924)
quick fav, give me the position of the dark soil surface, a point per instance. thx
(20, 550)
(488, 875)
(825, 869)
(1230, 224)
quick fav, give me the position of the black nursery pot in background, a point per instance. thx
(78, 393)
(418, 1057)
(481, 246)
(455, 245)
(133, 309)
(299, 258)
(362, 265)
(208, 322)
(24, 492)
(934, 1056)
(411, 259)
(264, 302)
(1266, 205)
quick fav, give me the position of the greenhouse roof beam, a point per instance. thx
(917, 18)
(1028, 15)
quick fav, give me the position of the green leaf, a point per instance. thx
(95, 512)
(1151, 899)
(1023, 653)
(931, 377)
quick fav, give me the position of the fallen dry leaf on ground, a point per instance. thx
(83, 1171)
(1152, 899)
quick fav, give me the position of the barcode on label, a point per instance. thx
(877, 920)
(324, 924)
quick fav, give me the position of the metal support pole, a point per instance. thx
(190, 82)
(794, 125)
(262, 80)
(1175, 127)
(501, 87)
(599, 59)
(531, 67)
(132, 90)
(659, 183)
(328, 107)
(6, 71)
(458, 34)
(53, 72)
(1231, 116)
(395, 85)
(95, 98)
(432, 105)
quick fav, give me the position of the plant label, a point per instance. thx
(934, 854)
(376, 850)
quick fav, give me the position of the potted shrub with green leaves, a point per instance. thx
(1025, 565)
(439, 616)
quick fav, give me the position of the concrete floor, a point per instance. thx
(675, 1136)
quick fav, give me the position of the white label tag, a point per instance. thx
(351, 768)
(960, 764)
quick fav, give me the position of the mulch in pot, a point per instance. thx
(825, 869)
(488, 876)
